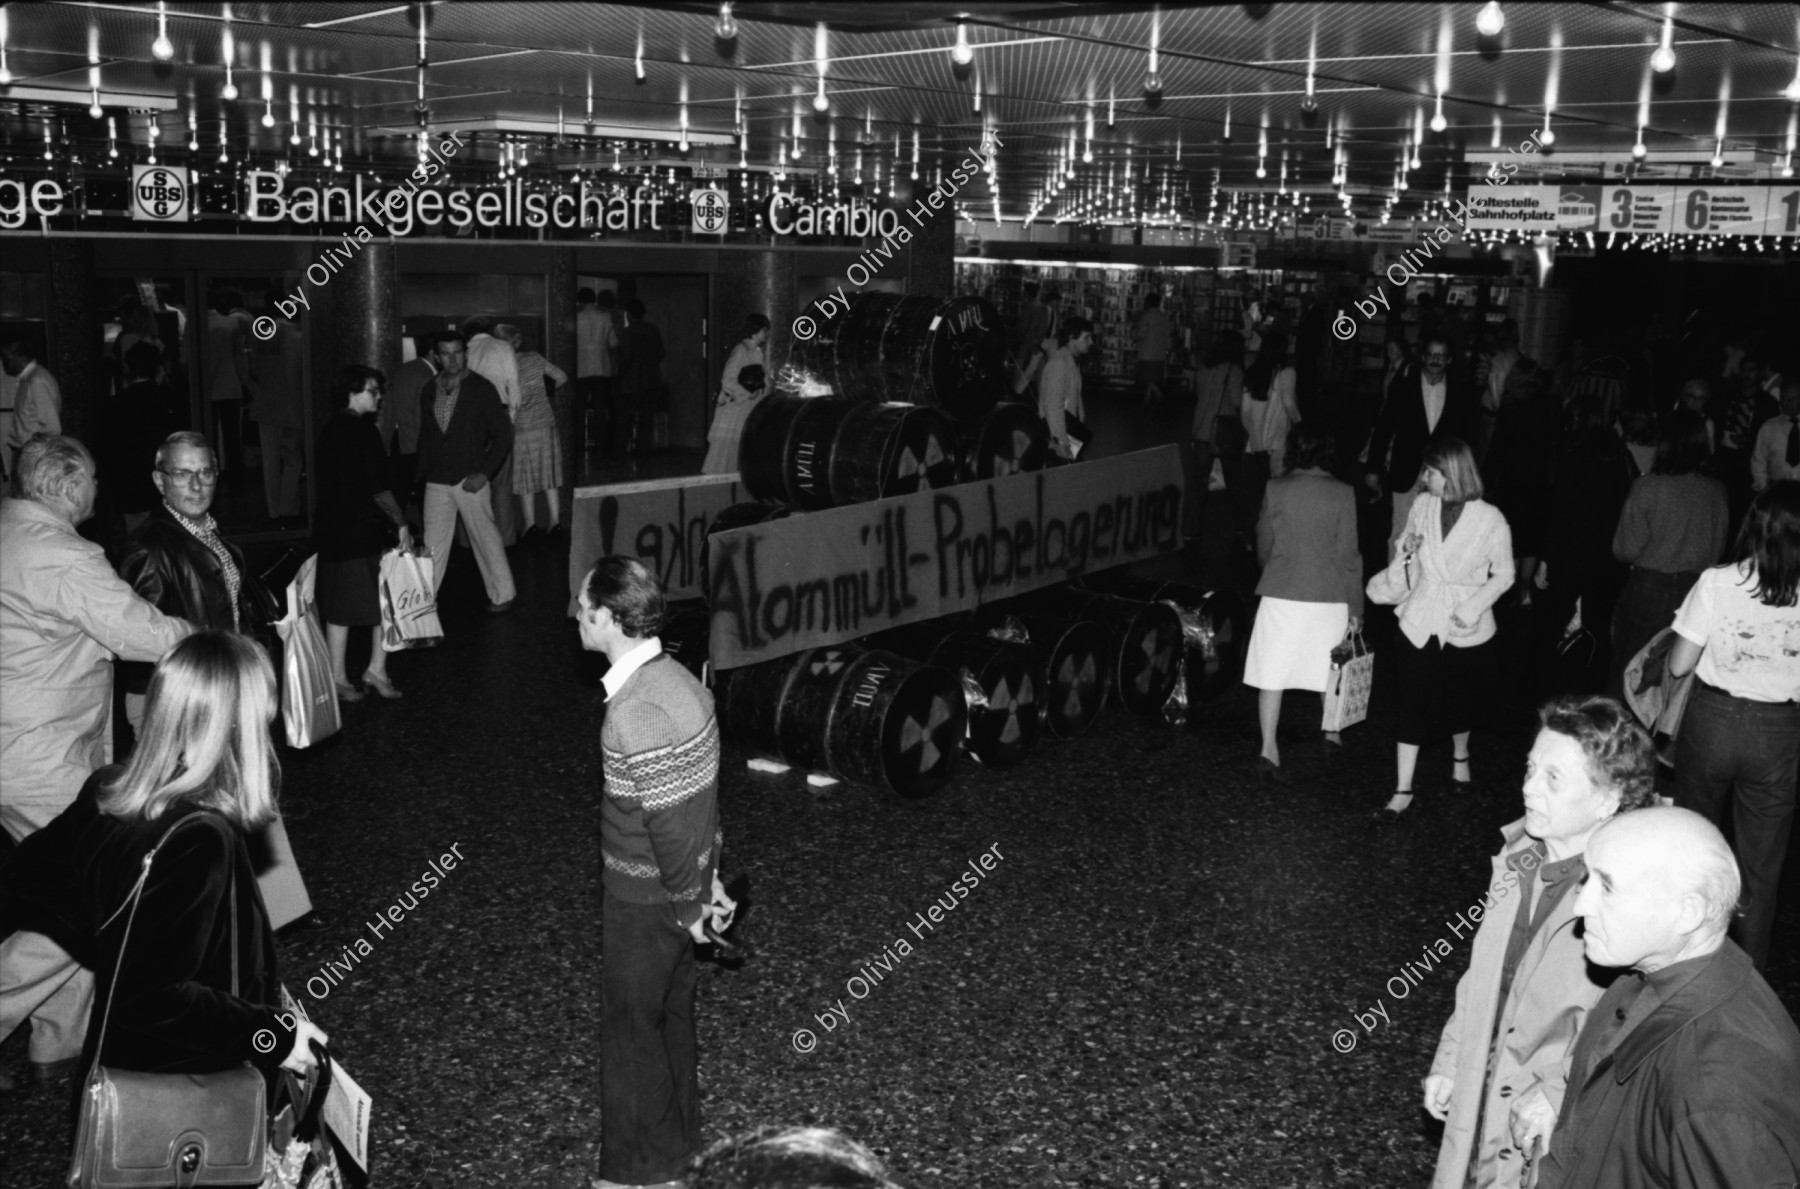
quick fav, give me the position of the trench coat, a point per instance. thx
(64, 615)
(1553, 991)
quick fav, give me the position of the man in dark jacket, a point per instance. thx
(178, 560)
(1423, 405)
(640, 378)
(464, 436)
(1687, 1072)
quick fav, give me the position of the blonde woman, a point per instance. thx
(204, 763)
(1453, 563)
(736, 397)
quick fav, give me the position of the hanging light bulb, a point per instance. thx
(48, 155)
(962, 53)
(227, 50)
(1438, 122)
(725, 29)
(1638, 151)
(821, 102)
(94, 108)
(1490, 20)
(112, 138)
(1663, 60)
(1546, 137)
(1718, 157)
(638, 66)
(268, 116)
(193, 131)
(162, 48)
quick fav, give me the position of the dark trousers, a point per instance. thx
(649, 1060)
(228, 441)
(595, 395)
(1247, 495)
(1646, 606)
(1738, 755)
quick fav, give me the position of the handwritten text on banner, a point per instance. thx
(826, 577)
(662, 522)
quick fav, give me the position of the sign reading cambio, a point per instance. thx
(827, 577)
(19, 202)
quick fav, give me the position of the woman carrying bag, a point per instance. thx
(150, 873)
(1311, 588)
(356, 513)
(736, 398)
(1453, 563)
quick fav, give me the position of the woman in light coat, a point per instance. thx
(1504, 1055)
(735, 400)
(1453, 563)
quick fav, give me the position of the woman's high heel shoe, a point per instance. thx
(348, 693)
(1269, 772)
(1466, 778)
(1390, 813)
(381, 685)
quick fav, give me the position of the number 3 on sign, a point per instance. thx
(1621, 216)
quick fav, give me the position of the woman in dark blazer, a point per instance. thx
(356, 515)
(1312, 585)
(204, 761)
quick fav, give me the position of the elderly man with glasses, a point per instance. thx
(64, 615)
(178, 560)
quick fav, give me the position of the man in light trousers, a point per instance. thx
(465, 436)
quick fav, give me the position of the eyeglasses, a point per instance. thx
(204, 477)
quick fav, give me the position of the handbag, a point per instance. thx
(1347, 687)
(309, 708)
(409, 617)
(156, 1130)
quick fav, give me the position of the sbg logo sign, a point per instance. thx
(159, 193)
(711, 211)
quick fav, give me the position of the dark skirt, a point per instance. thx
(348, 591)
(1442, 691)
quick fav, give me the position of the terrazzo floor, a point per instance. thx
(1152, 988)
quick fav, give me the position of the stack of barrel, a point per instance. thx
(918, 386)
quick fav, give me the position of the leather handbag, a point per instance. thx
(169, 1130)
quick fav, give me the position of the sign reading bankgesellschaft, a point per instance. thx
(827, 577)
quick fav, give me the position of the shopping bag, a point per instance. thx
(278, 875)
(309, 707)
(409, 617)
(1347, 688)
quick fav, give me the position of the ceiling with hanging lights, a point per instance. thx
(1106, 113)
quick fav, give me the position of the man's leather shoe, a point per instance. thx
(497, 608)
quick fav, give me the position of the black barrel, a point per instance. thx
(862, 715)
(1144, 640)
(949, 355)
(1010, 439)
(1003, 682)
(1076, 668)
(786, 449)
(736, 516)
(1215, 629)
(889, 449)
(895, 724)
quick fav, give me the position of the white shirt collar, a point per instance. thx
(631, 662)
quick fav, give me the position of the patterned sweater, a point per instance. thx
(659, 820)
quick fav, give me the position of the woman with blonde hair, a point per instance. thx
(193, 988)
(1452, 564)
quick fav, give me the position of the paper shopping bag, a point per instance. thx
(409, 617)
(309, 707)
(1347, 687)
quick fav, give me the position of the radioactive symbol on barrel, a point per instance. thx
(1157, 661)
(827, 663)
(1079, 676)
(911, 463)
(928, 737)
(1013, 705)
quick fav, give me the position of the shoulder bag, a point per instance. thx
(168, 1130)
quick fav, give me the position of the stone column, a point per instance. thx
(753, 282)
(559, 348)
(75, 330)
(931, 256)
(364, 321)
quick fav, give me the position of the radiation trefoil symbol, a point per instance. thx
(1157, 662)
(1077, 681)
(925, 735)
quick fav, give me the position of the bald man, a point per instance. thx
(1687, 1072)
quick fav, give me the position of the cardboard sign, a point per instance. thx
(826, 577)
(663, 522)
(346, 1112)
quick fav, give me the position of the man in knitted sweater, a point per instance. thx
(660, 844)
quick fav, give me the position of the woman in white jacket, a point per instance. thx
(1453, 564)
(735, 400)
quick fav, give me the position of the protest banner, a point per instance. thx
(663, 522)
(826, 577)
